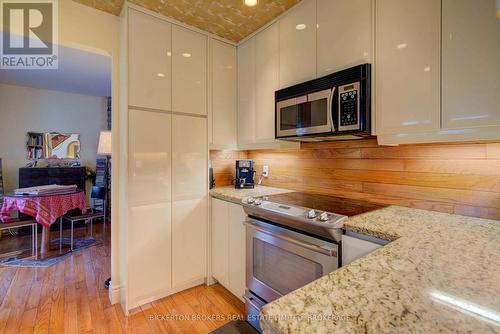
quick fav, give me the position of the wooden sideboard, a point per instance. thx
(30, 177)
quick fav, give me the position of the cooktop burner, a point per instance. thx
(339, 205)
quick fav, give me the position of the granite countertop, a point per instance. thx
(440, 273)
(231, 194)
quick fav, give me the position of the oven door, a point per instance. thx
(280, 261)
(307, 114)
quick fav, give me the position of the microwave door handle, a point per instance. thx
(330, 111)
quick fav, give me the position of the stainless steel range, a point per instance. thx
(288, 246)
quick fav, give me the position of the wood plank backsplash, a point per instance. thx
(453, 178)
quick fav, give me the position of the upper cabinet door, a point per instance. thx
(298, 44)
(149, 61)
(266, 81)
(471, 64)
(246, 92)
(407, 77)
(189, 71)
(344, 34)
(224, 93)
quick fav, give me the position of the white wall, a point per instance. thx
(94, 30)
(26, 109)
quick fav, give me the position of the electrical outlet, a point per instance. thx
(265, 171)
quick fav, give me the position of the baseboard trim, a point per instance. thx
(166, 293)
(114, 294)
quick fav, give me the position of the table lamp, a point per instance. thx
(104, 147)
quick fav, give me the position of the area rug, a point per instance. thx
(78, 245)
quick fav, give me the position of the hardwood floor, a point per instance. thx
(69, 297)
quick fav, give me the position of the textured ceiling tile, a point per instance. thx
(110, 6)
(230, 19)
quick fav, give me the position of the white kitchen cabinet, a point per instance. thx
(353, 248)
(224, 94)
(220, 241)
(298, 44)
(228, 255)
(149, 52)
(150, 157)
(246, 92)
(149, 254)
(266, 81)
(471, 66)
(237, 250)
(189, 199)
(189, 71)
(149, 219)
(344, 34)
(407, 67)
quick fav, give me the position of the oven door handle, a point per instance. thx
(325, 251)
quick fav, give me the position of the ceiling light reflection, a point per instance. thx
(465, 306)
(466, 118)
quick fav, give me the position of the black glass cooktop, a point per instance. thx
(340, 205)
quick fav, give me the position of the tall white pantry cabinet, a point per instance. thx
(166, 230)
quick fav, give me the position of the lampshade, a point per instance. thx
(104, 147)
(498, 8)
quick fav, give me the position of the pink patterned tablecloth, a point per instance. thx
(45, 209)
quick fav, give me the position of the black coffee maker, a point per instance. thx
(244, 174)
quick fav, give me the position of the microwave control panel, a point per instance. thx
(349, 107)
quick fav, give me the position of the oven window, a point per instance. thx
(314, 113)
(281, 270)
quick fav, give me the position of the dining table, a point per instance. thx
(46, 209)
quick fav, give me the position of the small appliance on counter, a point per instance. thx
(211, 177)
(244, 174)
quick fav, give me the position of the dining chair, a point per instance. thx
(8, 224)
(98, 193)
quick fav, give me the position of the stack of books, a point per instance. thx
(52, 189)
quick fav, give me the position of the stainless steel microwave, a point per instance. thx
(336, 106)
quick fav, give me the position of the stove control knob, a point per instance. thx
(258, 201)
(311, 214)
(250, 200)
(324, 217)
